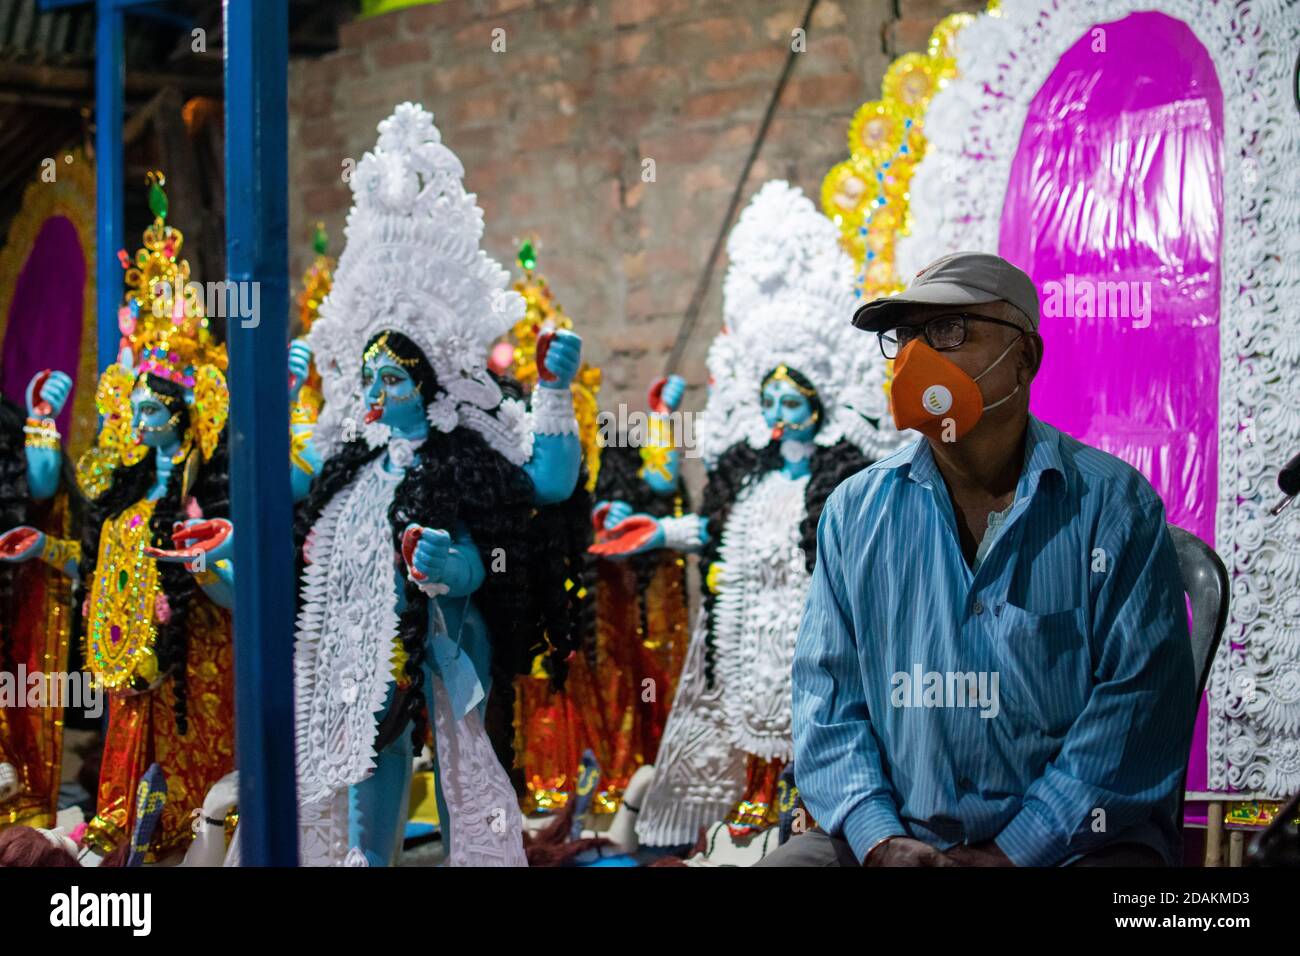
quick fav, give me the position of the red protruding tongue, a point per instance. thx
(778, 430)
(15, 542)
(41, 408)
(543, 346)
(376, 412)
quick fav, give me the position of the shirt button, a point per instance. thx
(979, 608)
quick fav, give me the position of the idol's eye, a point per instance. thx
(390, 379)
(791, 403)
(767, 401)
(367, 376)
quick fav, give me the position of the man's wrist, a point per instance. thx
(866, 860)
(869, 823)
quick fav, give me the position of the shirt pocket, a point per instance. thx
(1044, 667)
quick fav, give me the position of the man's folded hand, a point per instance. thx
(904, 851)
(984, 854)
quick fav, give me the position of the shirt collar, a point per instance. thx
(1042, 454)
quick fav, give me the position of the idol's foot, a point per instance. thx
(622, 831)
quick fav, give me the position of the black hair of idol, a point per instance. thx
(130, 484)
(741, 466)
(532, 555)
(13, 512)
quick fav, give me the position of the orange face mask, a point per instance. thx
(934, 396)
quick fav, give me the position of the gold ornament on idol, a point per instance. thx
(123, 594)
(166, 333)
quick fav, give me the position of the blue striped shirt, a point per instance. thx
(1044, 700)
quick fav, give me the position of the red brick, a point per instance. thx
(828, 54)
(703, 178)
(321, 133)
(459, 76)
(622, 50)
(719, 103)
(542, 133)
(533, 66)
(358, 33)
(568, 16)
(715, 32)
(496, 8)
(401, 52)
(318, 202)
(481, 36)
(631, 12)
(646, 82)
(907, 35)
(478, 109)
(429, 17)
(743, 66)
(936, 9)
(829, 15)
(836, 89)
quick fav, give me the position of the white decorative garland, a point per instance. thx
(553, 411)
(757, 612)
(346, 637)
(974, 126)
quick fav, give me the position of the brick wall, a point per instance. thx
(554, 131)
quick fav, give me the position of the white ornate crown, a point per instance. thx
(411, 263)
(788, 299)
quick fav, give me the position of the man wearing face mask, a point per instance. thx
(993, 666)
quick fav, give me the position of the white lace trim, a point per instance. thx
(757, 612)
(699, 775)
(345, 637)
(682, 534)
(483, 821)
(973, 127)
(553, 411)
(323, 830)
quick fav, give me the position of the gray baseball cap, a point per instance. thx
(961, 278)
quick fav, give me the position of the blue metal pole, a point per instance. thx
(110, 79)
(257, 255)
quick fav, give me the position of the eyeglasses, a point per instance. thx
(943, 332)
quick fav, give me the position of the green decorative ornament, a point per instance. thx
(157, 201)
(528, 256)
(320, 240)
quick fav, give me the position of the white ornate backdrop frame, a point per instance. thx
(974, 127)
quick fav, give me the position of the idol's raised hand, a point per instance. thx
(607, 514)
(635, 534)
(666, 394)
(425, 551)
(198, 543)
(47, 393)
(21, 544)
(299, 366)
(558, 356)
